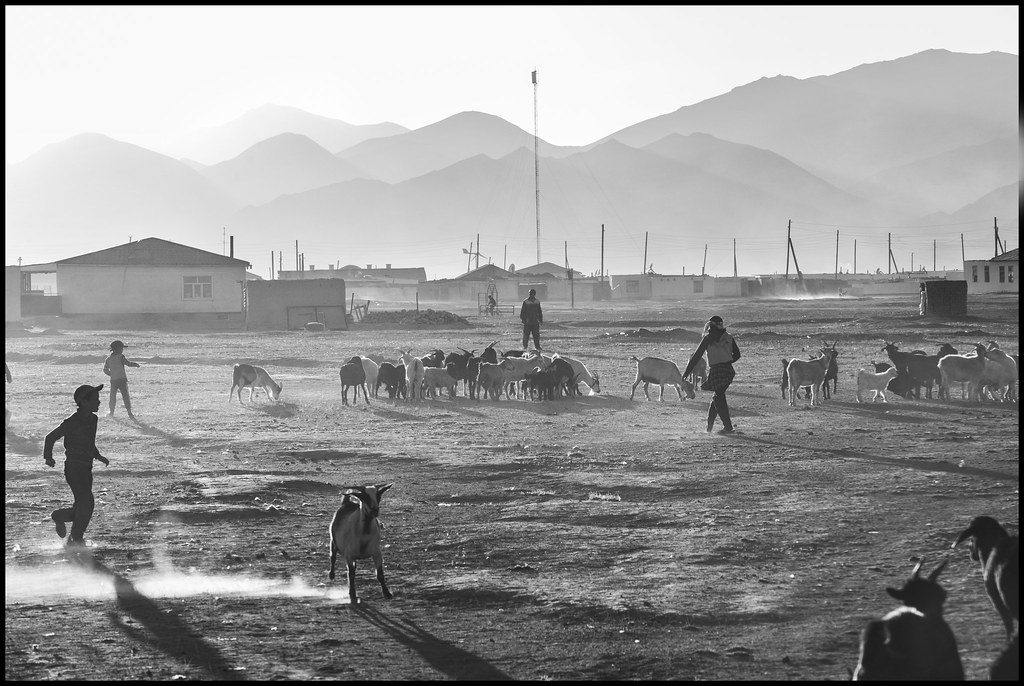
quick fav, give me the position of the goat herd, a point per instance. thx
(985, 372)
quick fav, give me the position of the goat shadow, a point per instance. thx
(454, 662)
(22, 445)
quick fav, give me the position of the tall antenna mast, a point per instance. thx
(536, 164)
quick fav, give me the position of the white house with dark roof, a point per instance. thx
(150, 276)
(1000, 274)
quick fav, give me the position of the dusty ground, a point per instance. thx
(593, 539)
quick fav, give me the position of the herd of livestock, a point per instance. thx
(985, 372)
(912, 642)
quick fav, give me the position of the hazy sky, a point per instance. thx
(148, 75)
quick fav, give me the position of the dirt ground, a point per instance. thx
(588, 539)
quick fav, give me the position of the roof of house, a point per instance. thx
(154, 252)
(542, 268)
(1008, 256)
(486, 272)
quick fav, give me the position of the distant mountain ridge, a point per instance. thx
(872, 146)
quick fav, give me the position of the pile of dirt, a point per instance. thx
(674, 334)
(416, 319)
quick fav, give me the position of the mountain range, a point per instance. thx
(887, 149)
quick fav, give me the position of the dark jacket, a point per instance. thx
(725, 350)
(79, 433)
(530, 312)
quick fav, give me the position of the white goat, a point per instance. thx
(436, 378)
(355, 533)
(1000, 376)
(372, 368)
(253, 377)
(874, 382)
(809, 373)
(413, 374)
(659, 371)
(515, 369)
(581, 373)
(964, 368)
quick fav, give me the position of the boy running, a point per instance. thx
(79, 433)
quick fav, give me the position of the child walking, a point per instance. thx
(79, 434)
(114, 368)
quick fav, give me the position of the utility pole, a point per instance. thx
(504, 259)
(963, 255)
(999, 247)
(478, 251)
(643, 269)
(536, 163)
(933, 254)
(854, 255)
(789, 242)
(837, 254)
(705, 263)
(568, 271)
(296, 256)
(602, 253)
(735, 272)
(271, 265)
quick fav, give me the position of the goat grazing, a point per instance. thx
(436, 378)
(581, 373)
(490, 380)
(997, 551)
(964, 368)
(913, 642)
(1000, 376)
(355, 533)
(920, 369)
(253, 377)
(659, 371)
(809, 373)
(392, 378)
(372, 369)
(875, 382)
(353, 375)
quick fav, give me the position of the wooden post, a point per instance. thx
(602, 253)
(789, 227)
(643, 269)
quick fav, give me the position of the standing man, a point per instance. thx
(722, 353)
(532, 318)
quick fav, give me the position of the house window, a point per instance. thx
(197, 287)
(1009, 273)
(1002, 274)
(632, 286)
(987, 279)
(974, 273)
(698, 286)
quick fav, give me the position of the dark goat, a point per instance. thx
(434, 359)
(565, 377)
(353, 376)
(462, 369)
(490, 354)
(921, 370)
(997, 551)
(913, 642)
(542, 381)
(355, 534)
(392, 377)
(1006, 667)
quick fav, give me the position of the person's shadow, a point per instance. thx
(452, 661)
(163, 631)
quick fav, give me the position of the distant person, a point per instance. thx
(114, 367)
(7, 379)
(492, 304)
(532, 317)
(79, 434)
(923, 307)
(722, 353)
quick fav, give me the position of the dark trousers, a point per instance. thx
(534, 330)
(719, 407)
(79, 478)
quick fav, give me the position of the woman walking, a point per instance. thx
(722, 353)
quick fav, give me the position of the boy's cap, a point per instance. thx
(716, 319)
(117, 344)
(84, 390)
